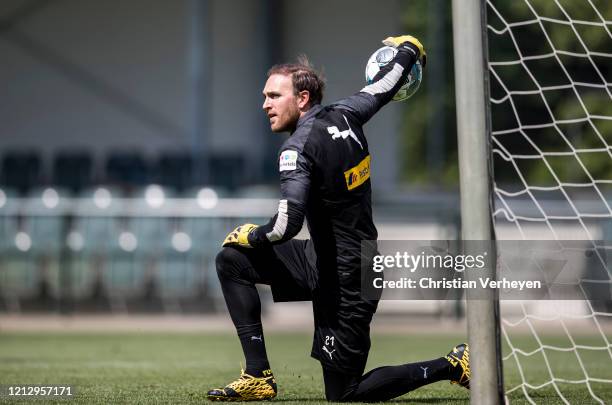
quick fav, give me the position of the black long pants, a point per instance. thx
(240, 269)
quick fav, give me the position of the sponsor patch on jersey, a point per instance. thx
(356, 176)
(288, 160)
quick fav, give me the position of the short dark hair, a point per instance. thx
(303, 76)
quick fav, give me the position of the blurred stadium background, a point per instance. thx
(132, 140)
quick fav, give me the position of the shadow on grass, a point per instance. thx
(440, 400)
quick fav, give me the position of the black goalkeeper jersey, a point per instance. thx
(325, 169)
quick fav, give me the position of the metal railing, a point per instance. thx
(145, 254)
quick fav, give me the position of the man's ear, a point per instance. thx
(303, 99)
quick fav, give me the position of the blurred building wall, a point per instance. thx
(108, 75)
(95, 75)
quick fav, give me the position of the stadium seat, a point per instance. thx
(227, 170)
(20, 277)
(178, 275)
(124, 275)
(28, 261)
(127, 169)
(9, 210)
(97, 221)
(206, 231)
(81, 275)
(45, 222)
(178, 272)
(21, 170)
(176, 170)
(93, 232)
(73, 170)
(151, 227)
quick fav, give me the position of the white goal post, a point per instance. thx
(486, 386)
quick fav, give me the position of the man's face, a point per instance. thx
(280, 103)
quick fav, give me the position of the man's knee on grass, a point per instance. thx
(335, 396)
(339, 387)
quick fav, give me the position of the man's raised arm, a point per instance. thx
(388, 80)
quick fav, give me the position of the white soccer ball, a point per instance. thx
(384, 55)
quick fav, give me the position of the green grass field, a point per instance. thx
(179, 368)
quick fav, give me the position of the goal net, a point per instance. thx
(550, 71)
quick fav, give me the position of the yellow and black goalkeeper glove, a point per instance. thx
(397, 41)
(239, 236)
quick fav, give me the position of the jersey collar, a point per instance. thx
(307, 116)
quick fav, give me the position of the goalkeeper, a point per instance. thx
(325, 176)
